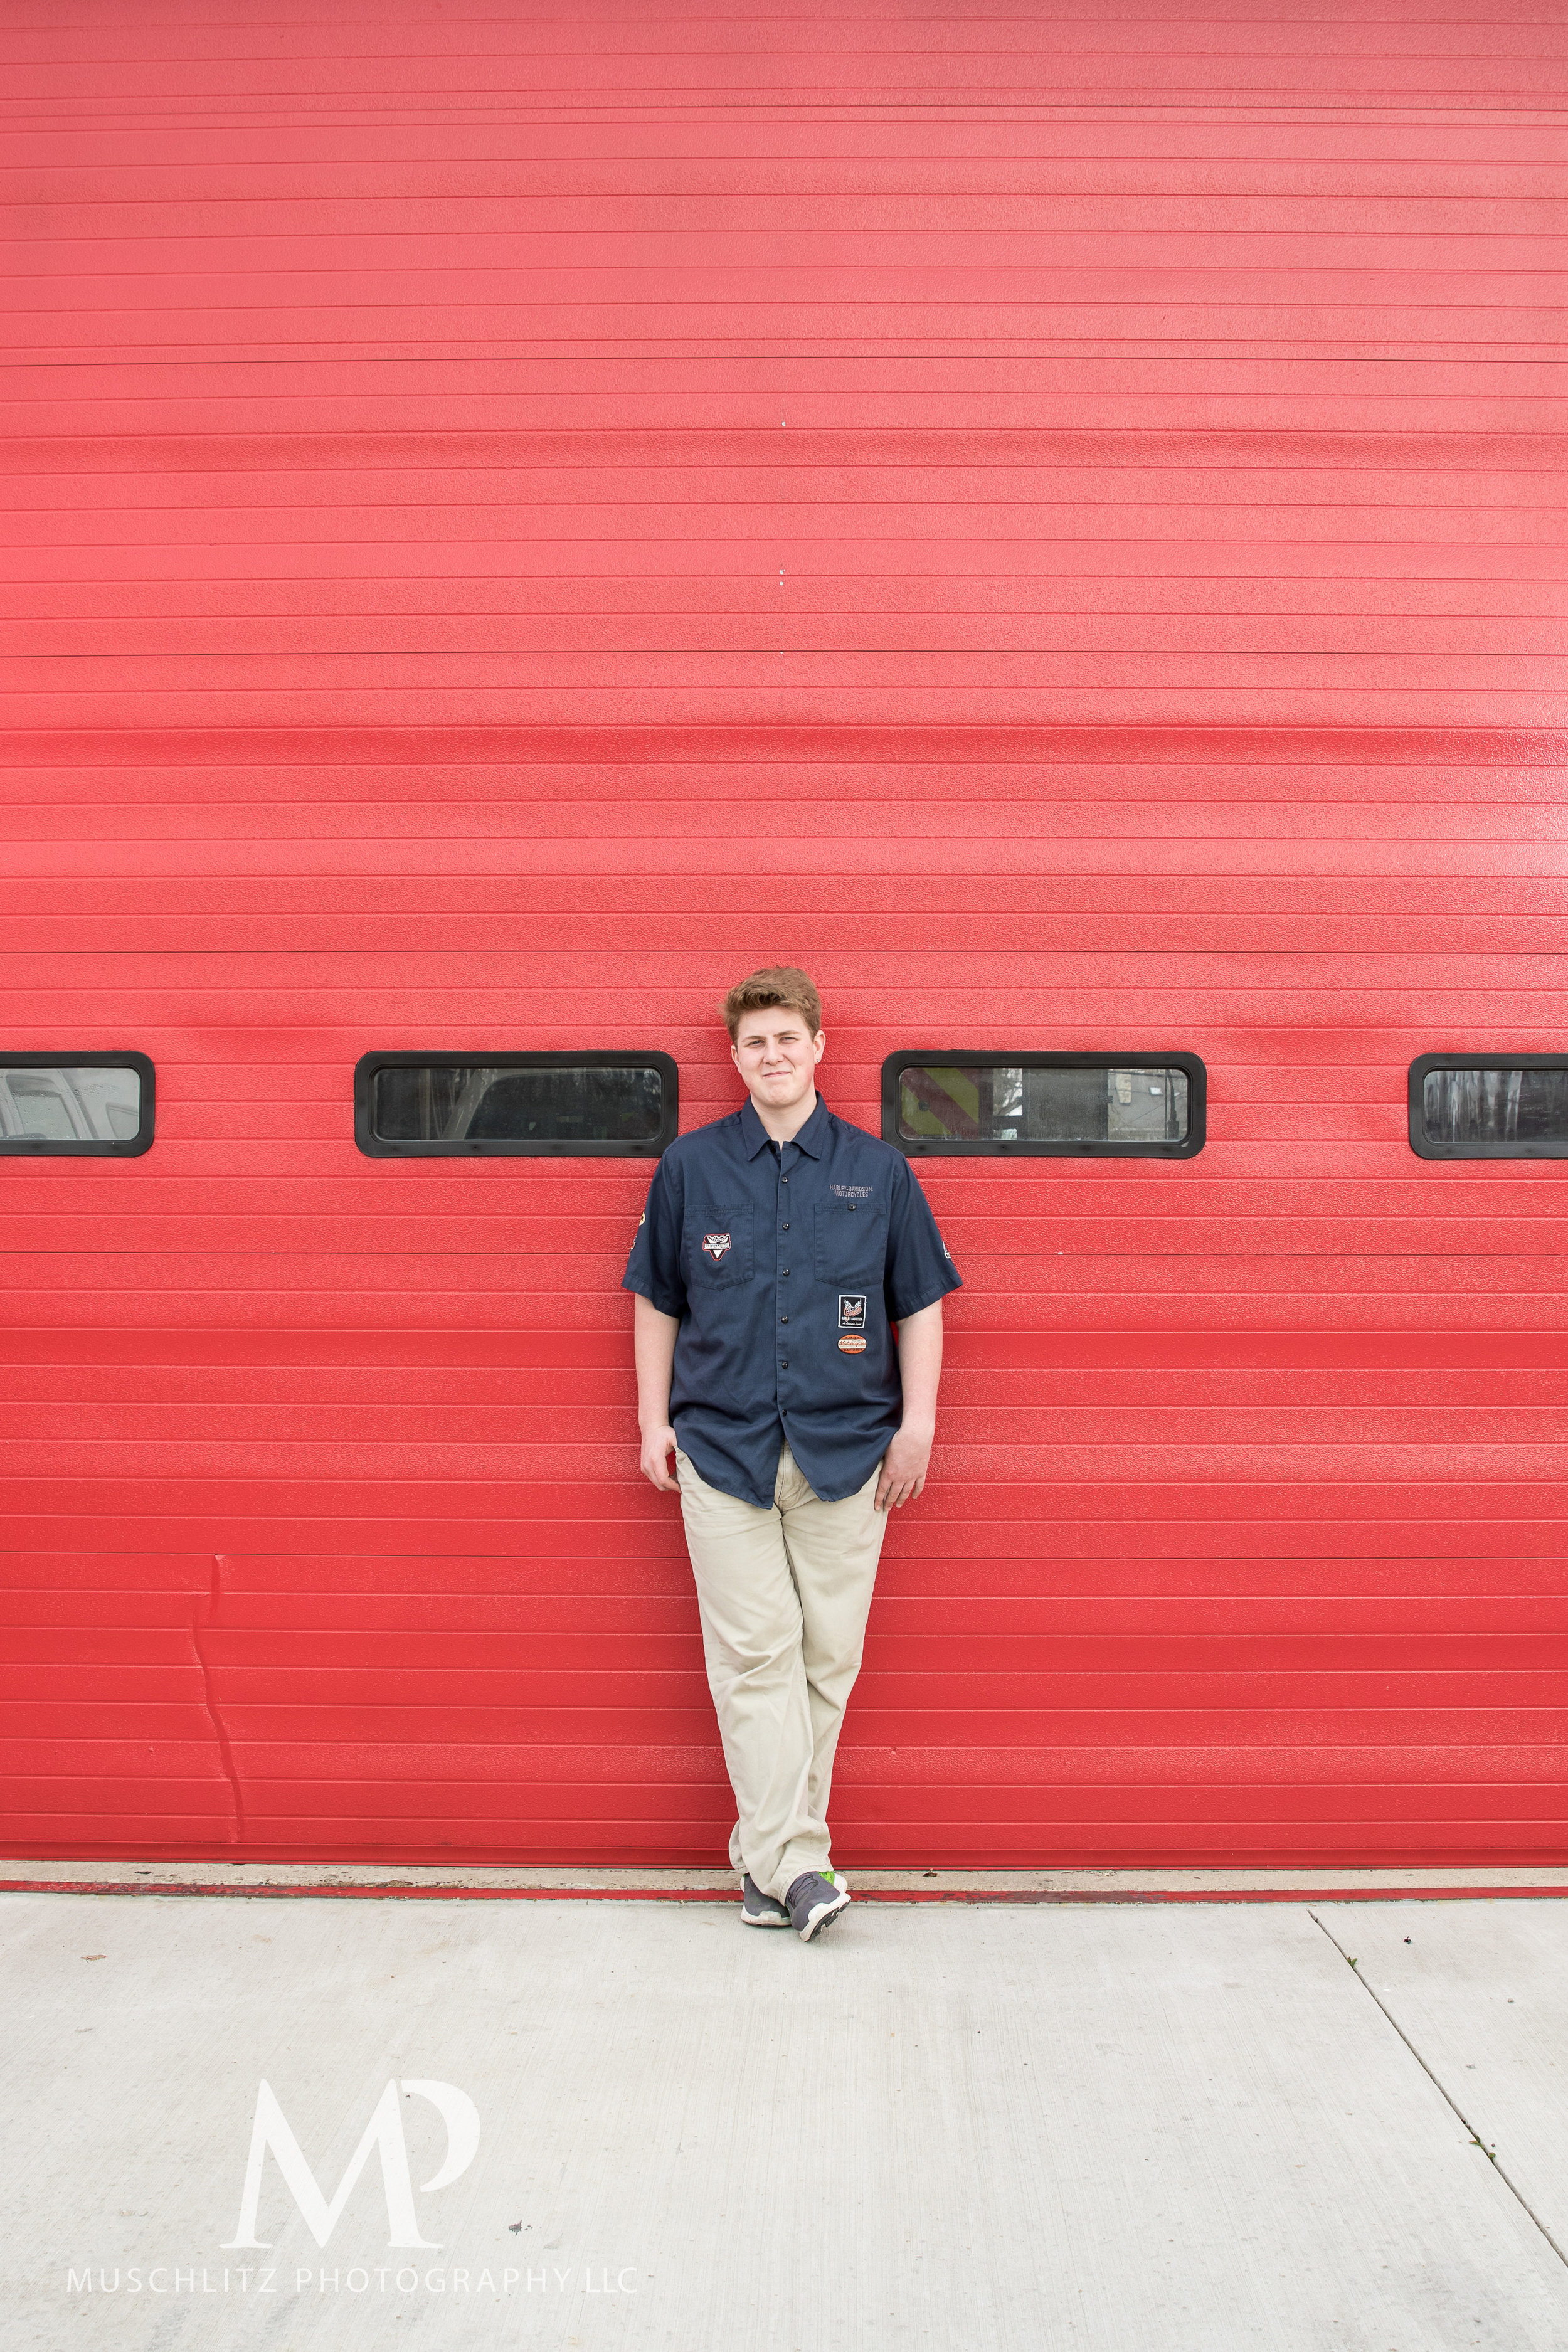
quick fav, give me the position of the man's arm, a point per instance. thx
(919, 1368)
(654, 1338)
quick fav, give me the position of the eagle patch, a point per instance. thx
(852, 1311)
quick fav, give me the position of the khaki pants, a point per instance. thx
(784, 1595)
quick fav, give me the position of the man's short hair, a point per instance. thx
(779, 983)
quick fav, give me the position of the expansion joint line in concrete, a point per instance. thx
(1442, 2090)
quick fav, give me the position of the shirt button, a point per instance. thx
(784, 1363)
(783, 1319)
(783, 1228)
(785, 1276)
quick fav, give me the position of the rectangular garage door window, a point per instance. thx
(1115, 1106)
(80, 1105)
(1464, 1107)
(593, 1106)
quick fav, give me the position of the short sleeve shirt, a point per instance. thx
(787, 1268)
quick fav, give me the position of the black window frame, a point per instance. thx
(130, 1147)
(1006, 1057)
(509, 1147)
(1533, 1147)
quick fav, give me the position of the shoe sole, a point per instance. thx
(764, 1920)
(813, 1928)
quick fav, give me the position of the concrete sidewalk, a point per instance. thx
(1190, 2128)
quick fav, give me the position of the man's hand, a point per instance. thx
(657, 1445)
(920, 1369)
(656, 1358)
(904, 1466)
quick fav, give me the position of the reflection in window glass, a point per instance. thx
(80, 1106)
(443, 1103)
(1496, 1105)
(1002, 1104)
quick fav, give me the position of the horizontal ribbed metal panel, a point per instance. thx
(1054, 520)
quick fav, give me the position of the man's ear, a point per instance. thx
(818, 1041)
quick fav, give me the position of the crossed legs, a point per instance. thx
(784, 1595)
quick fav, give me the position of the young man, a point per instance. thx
(778, 1248)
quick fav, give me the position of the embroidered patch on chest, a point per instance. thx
(852, 1347)
(715, 1245)
(852, 1311)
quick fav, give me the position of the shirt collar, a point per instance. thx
(811, 1138)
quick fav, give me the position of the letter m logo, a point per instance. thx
(272, 2131)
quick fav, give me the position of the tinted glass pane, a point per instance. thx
(440, 1104)
(1495, 1105)
(1000, 1104)
(70, 1106)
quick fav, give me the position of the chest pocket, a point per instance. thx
(718, 1246)
(851, 1242)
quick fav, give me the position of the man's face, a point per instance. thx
(777, 1055)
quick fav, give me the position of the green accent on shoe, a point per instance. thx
(814, 1902)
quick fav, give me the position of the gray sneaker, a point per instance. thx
(814, 1901)
(759, 1910)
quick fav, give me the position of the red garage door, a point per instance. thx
(1052, 518)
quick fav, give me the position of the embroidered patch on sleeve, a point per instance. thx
(852, 1310)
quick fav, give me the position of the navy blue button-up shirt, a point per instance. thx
(787, 1268)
